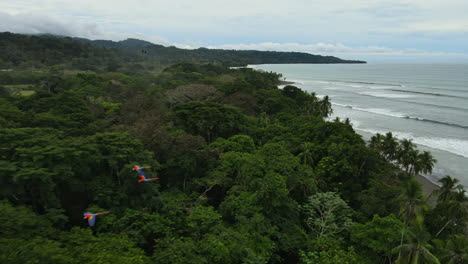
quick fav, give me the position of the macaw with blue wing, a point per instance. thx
(140, 170)
(143, 179)
(142, 174)
(92, 217)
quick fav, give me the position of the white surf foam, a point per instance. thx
(365, 85)
(322, 82)
(379, 111)
(380, 87)
(387, 95)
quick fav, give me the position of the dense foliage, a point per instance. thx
(248, 173)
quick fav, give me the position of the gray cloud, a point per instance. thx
(35, 24)
(26, 23)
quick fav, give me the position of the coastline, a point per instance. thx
(284, 82)
(384, 113)
(427, 186)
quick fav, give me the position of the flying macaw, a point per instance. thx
(140, 170)
(92, 217)
(142, 179)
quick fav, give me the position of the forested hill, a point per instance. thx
(228, 57)
(36, 51)
(23, 51)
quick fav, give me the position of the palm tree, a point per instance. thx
(449, 185)
(376, 142)
(403, 153)
(456, 209)
(411, 200)
(417, 248)
(413, 162)
(455, 250)
(325, 107)
(405, 146)
(390, 146)
(426, 161)
(307, 155)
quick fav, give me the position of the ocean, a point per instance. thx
(427, 103)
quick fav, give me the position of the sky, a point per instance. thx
(372, 30)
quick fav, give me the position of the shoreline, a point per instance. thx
(428, 187)
(283, 82)
(446, 143)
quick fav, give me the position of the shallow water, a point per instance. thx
(427, 103)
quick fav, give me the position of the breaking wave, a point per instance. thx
(387, 112)
(371, 83)
(427, 93)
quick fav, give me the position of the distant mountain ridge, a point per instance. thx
(248, 56)
(49, 50)
(130, 42)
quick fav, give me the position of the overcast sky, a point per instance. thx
(396, 30)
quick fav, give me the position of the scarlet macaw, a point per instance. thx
(92, 217)
(140, 170)
(142, 179)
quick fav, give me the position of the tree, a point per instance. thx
(456, 210)
(307, 153)
(376, 142)
(449, 185)
(83, 246)
(411, 202)
(263, 120)
(209, 119)
(332, 256)
(454, 250)
(390, 146)
(375, 200)
(412, 162)
(34, 250)
(140, 226)
(239, 143)
(325, 107)
(21, 222)
(417, 249)
(381, 235)
(327, 214)
(426, 162)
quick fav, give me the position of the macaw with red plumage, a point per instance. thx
(142, 174)
(140, 170)
(143, 179)
(92, 217)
